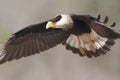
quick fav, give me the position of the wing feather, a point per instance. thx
(104, 31)
(20, 51)
(28, 45)
(32, 40)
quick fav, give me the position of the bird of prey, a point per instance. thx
(82, 34)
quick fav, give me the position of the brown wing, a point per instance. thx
(95, 43)
(31, 40)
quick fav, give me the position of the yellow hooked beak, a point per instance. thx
(50, 24)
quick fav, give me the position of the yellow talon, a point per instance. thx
(82, 50)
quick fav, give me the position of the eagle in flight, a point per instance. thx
(82, 34)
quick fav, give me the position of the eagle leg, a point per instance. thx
(80, 47)
(91, 41)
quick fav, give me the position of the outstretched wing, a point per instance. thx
(30, 40)
(93, 37)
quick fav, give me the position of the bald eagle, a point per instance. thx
(82, 34)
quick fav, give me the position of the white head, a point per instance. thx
(63, 21)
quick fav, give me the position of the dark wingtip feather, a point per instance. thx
(99, 17)
(113, 25)
(106, 20)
